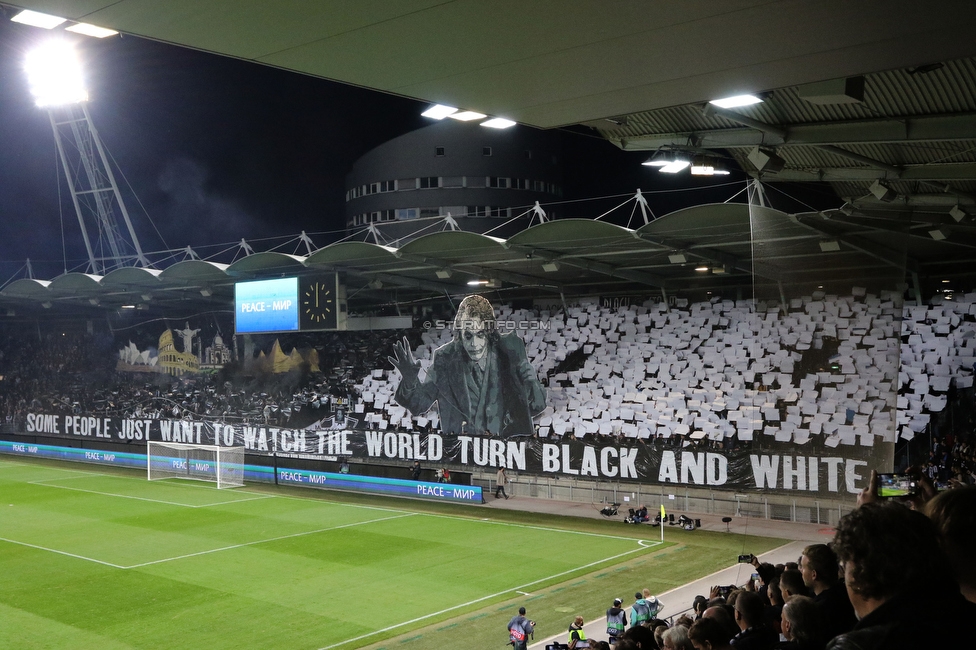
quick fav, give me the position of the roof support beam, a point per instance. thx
(880, 253)
(939, 128)
(783, 134)
(602, 268)
(515, 278)
(933, 172)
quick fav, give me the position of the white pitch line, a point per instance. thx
(54, 550)
(129, 496)
(531, 527)
(214, 550)
(484, 598)
(264, 541)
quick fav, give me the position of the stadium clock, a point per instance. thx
(319, 307)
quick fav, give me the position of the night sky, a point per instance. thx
(218, 149)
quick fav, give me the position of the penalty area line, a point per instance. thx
(46, 483)
(531, 527)
(516, 589)
(265, 541)
(54, 550)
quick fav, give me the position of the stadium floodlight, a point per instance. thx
(676, 166)
(736, 101)
(54, 75)
(37, 19)
(659, 158)
(498, 123)
(466, 116)
(439, 111)
(91, 30)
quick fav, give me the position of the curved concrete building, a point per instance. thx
(481, 177)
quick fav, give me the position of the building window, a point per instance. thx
(486, 151)
(428, 182)
(477, 211)
(520, 183)
(438, 151)
(387, 186)
(499, 181)
(499, 212)
(407, 213)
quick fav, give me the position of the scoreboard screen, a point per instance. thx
(266, 306)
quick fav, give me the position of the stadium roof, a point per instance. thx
(729, 250)
(877, 98)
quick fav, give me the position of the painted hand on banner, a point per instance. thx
(404, 360)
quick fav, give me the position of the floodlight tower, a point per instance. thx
(56, 81)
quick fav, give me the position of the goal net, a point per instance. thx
(221, 465)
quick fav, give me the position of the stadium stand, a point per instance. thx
(822, 372)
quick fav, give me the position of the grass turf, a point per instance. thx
(95, 558)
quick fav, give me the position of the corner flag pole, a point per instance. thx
(662, 523)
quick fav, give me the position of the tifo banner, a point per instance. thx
(827, 471)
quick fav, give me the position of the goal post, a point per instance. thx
(221, 465)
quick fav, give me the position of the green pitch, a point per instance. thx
(93, 558)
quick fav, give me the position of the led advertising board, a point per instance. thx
(266, 306)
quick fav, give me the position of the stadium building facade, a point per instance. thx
(481, 177)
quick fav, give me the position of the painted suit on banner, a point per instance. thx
(481, 381)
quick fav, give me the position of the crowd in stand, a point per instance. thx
(75, 373)
(897, 575)
(717, 374)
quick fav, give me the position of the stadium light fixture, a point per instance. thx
(830, 246)
(466, 116)
(91, 30)
(677, 258)
(477, 283)
(702, 269)
(444, 274)
(54, 75)
(736, 101)
(550, 267)
(37, 19)
(498, 123)
(677, 165)
(659, 158)
(439, 111)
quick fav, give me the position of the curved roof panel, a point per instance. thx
(572, 234)
(454, 245)
(195, 271)
(27, 288)
(83, 283)
(131, 276)
(351, 252)
(262, 262)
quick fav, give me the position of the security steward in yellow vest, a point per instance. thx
(577, 637)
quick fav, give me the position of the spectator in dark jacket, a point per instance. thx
(821, 574)
(802, 625)
(753, 635)
(900, 583)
